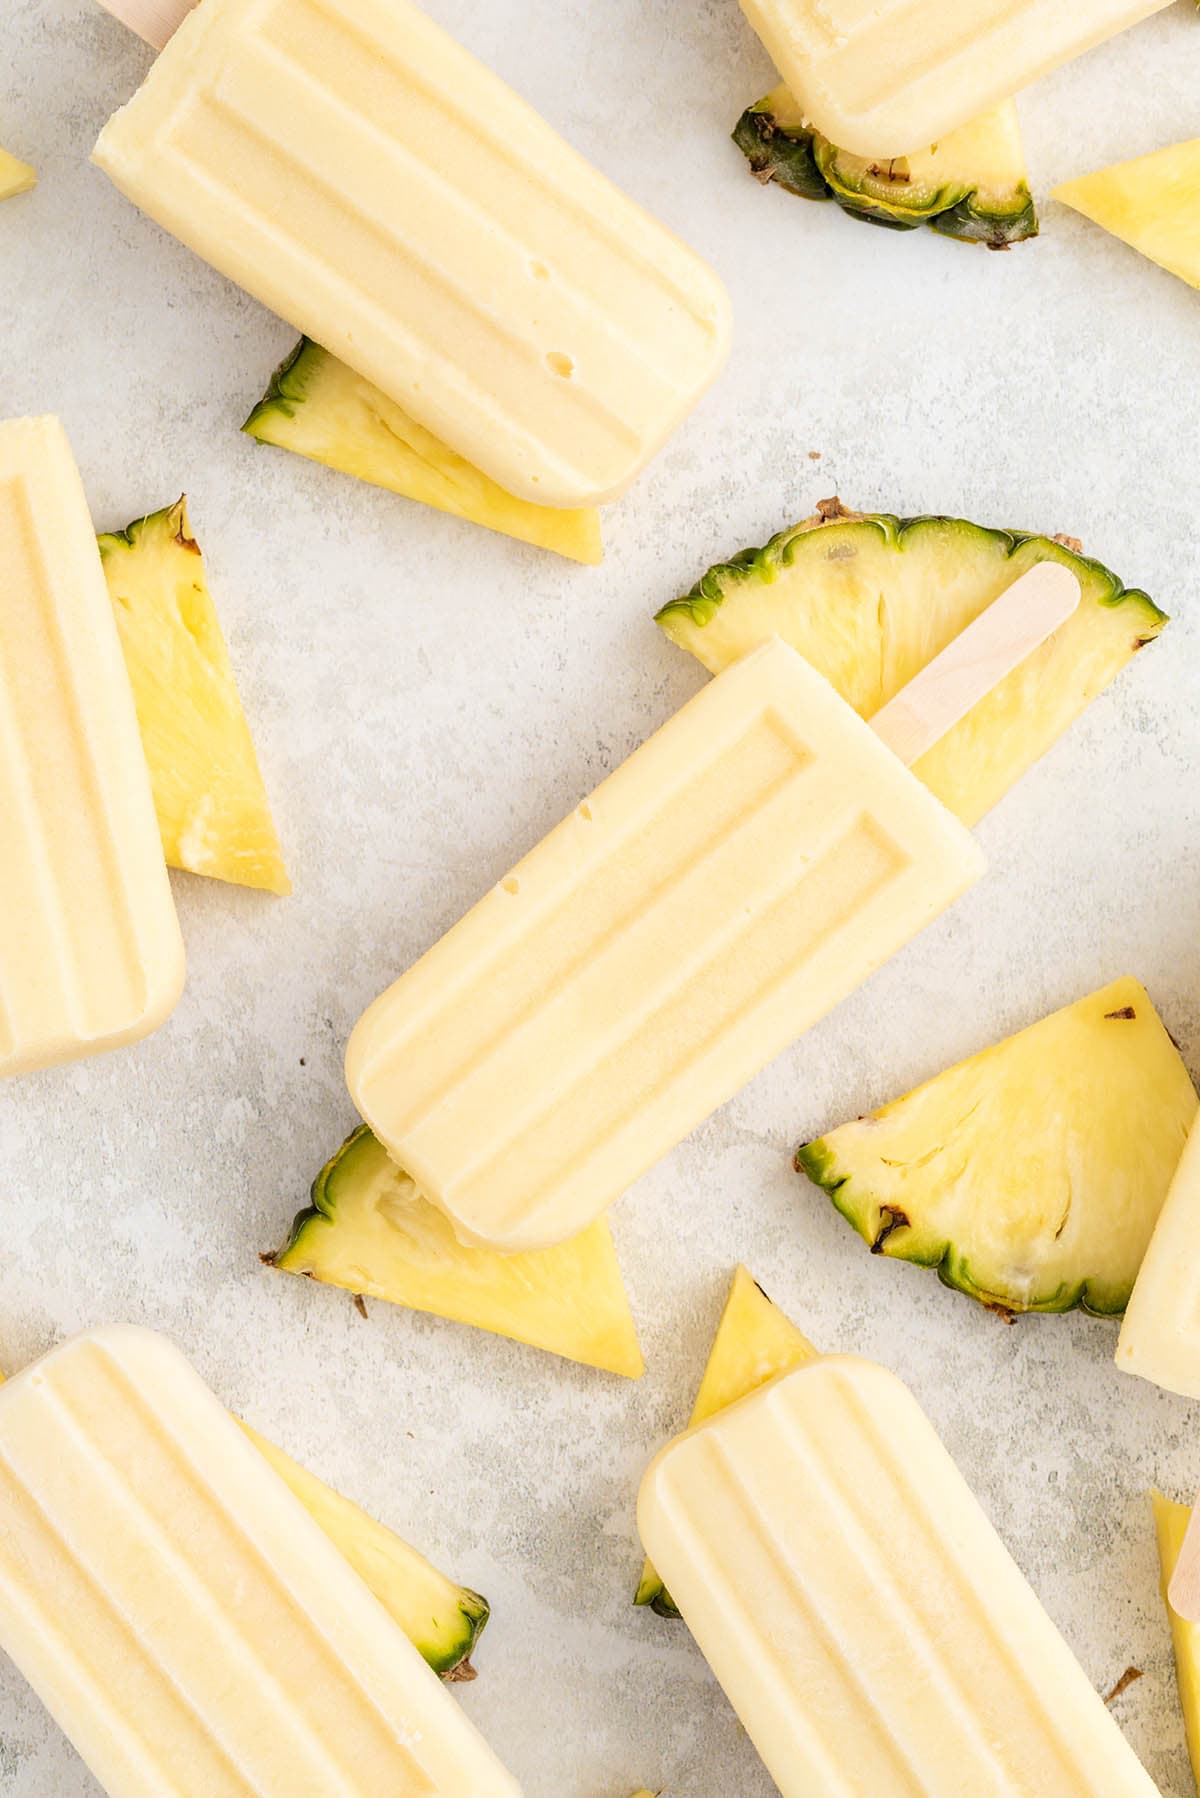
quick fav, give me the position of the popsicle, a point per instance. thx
(742, 872)
(181, 1615)
(865, 1620)
(890, 77)
(1160, 1335)
(364, 176)
(90, 951)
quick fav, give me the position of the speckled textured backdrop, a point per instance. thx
(428, 699)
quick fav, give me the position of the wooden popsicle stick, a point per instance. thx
(156, 21)
(1183, 1591)
(999, 640)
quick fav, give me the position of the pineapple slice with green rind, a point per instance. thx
(754, 1342)
(1151, 203)
(1031, 1175)
(869, 599)
(213, 813)
(369, 1231)
(15, 177)
(1170, 1523)
(973, 185)
(443, 1620)
(321, 409)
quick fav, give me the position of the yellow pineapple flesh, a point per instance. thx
(1151, 203)
(1170, 1522)
(754, 1342)
(371, 1232)
(15, 177)
(319, 408)
(212, 807)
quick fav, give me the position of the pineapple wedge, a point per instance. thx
(369, 1230)
(212, 807)
(321, 409)
(1170, 1523)
(753, 1343)
(443, 1621)
(1031, 1175)
(1152, 203)
(973, 185)
(15, 177)
(869, 599)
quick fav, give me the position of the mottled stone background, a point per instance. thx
(427, 699)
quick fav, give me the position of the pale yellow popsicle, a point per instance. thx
(180, 1614)
(90, 951)
(364, 176)
(867, 1623)
(1160, 1336)
(890, 77)
(740, 874)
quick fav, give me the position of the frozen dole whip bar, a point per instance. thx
(1160, 1337)
(740, 874)
(365, 177)
(867, 1623)
(890, 77)
(90, 951)
(181, 1615)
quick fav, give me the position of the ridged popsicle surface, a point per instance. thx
(364, 176)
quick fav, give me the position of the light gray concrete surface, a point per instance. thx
(427, 699)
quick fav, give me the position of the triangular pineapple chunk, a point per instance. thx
(753, 1343)
(369, 1230)
(15, 177)
(1031, 1175)
(443, 1620)
(1152, 203)
(321, 409)
(212, 806)
(1171, 1522)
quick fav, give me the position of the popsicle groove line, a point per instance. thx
(897, 57)
(90, 1674)
(344, 24)
(631, 846)
(628, 1059)
(47, 667)
(947, 1676)
(944, 1553)
(829, 1754)
(378, 296)
(328, 1676)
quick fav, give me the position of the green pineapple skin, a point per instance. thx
(322, 1207)
(804, 163)
(953, 1269)
(699, 604)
